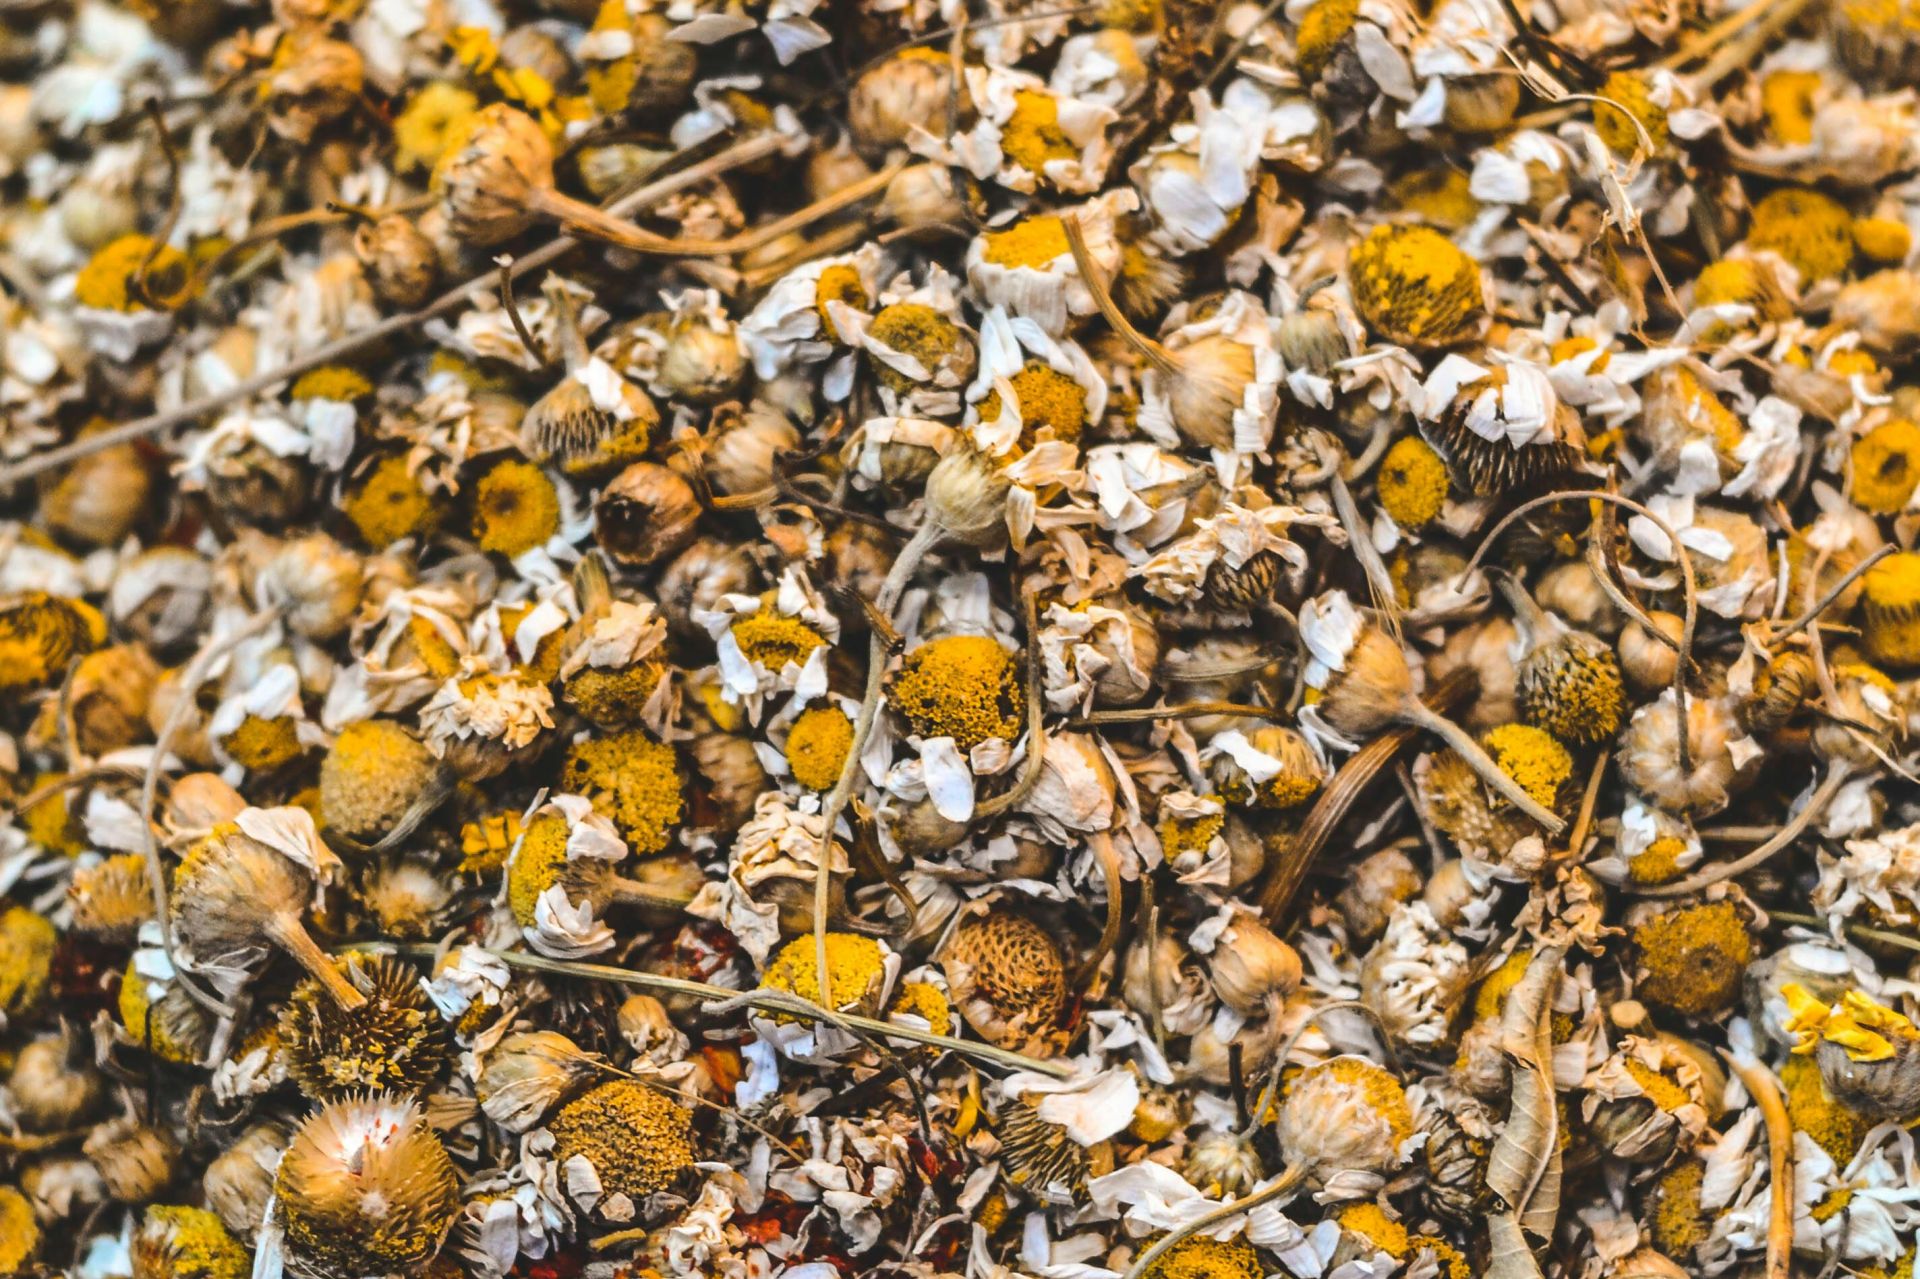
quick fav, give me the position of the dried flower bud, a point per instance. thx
(239, 1181)
(402, 264)
(647, 514)
(135, 1161)
(967, 498)
(1378, 884)
(51, 1087)
(1648, 664)
(525, 1076)
(313, 80)
(1250, 966)
(314, 579)
(109, 696)
(488, 183)
(912, 89)
(365, 1188)
(1346, 1114)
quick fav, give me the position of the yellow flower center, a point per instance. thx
(1370, 1221)
(773, 641)
(1414, 285)
(817, 746)
(912, 328)
(1660, 1090)
(962, 686)
(1787, 99)
(634, 780)
(840, 282)
(1049, 400)
(485, 842)
(1441, 195)
(1531, 757)
(1193, 835)
(1412, 483)
(1322, 28)
(1886, 241)
(1629, 97)
(1886, 467)
(262, 745)
(330, 382)
(1676, 1221)
(389, 503)
(1693, 958)
(1811, 231)
(515, 508)
(1031, 136)
(1031, 242)
(434, 117)
(537, 866)
(1658, 862)
(855, 967)
(111, 279)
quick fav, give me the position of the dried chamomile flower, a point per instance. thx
(963, 687)
(365, 1187)
(1690, 960)
(1568, 680)
(394, 1043)
(1415, 287)
(1647, 1100)
(374, 772)
(621, 1142)
(1007, 977)
(177, 1242)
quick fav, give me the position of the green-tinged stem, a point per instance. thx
(770, 1000)
(1882, 936)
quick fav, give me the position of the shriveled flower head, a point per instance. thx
(1885, 466)
(966, 687)
(1691, 960)
(1650, 761)
(1890, 606)
(40, 634)
(1006, 976)
(1414, 286)
(629, 1137)
(365, 1187)
(856, 971)
(177, 1242)
(1042, 1158)
(1344, 1115)
(112, 898)
(1648, 1099)
(525, 1075)
(1869, 1054)
(1200, 1257)
(374, 771)
(394, 1043)
(1412, 482)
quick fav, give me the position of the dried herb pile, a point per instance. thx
(809, 639)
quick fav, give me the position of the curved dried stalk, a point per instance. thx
(1109, 858)
(1160, 356)
(1837, 774)
(1289, 1181)
(1416, 714)
(1348, 784)
(1186, 710)
(771, 1000)
(603, 224)
(924, 539)
(339, 350)
(1826, 601)
(1689, 585)
(1761, 1086)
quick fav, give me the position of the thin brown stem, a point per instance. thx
(602, 224)
(1109, 858)
(1186, 710)
(289, 934)
(1834, 592)
(1477, 758)
(1588, 802)
(772, 1000)
(1339, 796)
(520, 329)
(745, 152)
(1287, 1183)
(1837, 774)
(1102, 298)
(1036, 760)
(924, 540)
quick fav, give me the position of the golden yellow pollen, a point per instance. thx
(515, 508)
(817, 746)
(1532, 757)
(1414, 286)
(1692, 959)
(1886, 466)
(1811, 231)
(960, 686)
(1031, 242)
(1629, 99)
(389, 503)
(111, 280)
(1412, 483)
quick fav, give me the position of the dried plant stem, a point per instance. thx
(1689, 584)
(1734, 54)
(1270, 1092)
(1584, 822)
(1186, 710)
(337, 351)
(1760, 1085)
(1602, 569)
(190, 681)
(1837, 774)
(1101, 842)
(603, 224)
(289, 934)
(1340, 795)
(1289, 1181)
(924, 539)
(1463, 744)
(1883, 936)
(1834, 592)
(771, 1000)
(1162, 358)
